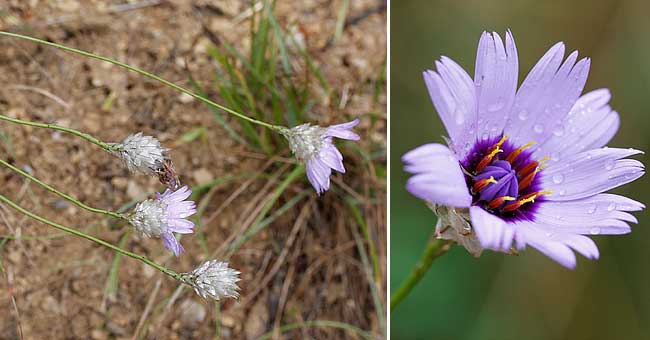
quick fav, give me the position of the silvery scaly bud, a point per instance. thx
(214, 279)
(454, 224)
(142, 153)
(313, 145)
(145, 154)
(165, 215)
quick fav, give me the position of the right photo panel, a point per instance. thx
(517, 188)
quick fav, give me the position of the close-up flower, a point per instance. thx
(314, 146)
(214, 279)
(528, 166)
(165, 215)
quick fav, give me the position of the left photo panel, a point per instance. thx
(191, 169)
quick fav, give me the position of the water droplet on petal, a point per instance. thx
(523, 115)
(562, 192)
(539, 128)
(611, 207)
(500, 103)
(460, 119)
(592, 209)
(609, 164)
(485, 136)
(558, 178)
(559, 131)
(594, 231)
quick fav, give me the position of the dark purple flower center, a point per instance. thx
(503, 178)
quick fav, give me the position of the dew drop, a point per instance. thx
(539, 128)
(592, 209)
(558, 178)
(460, 118)
(562, 192)
(559, 131)
(555, 156)
(500, 103)
(611, 207)
(485, 136)
(609, 164)
(594, 231)
(523, 115)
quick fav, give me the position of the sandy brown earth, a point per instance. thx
(307, 264)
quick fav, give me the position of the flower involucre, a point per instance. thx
(214, 279)
(165, 215)
(314, 145)
(146, 155)
(523, 167)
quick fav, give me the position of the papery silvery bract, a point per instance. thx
(142, 153)
(214, 279)
(314, 145)
(527, 166)
(165, 215)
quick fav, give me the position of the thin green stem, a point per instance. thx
(62, 194)
(106, 146)
(175, 275)
(144, 73)
(435, 248)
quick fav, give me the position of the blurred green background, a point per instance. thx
(529, 296)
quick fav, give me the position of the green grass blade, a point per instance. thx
(297, 171)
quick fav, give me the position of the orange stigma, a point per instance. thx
(497, 202)
(481, 184)
(530, 198)
(514, 154)
(494, 150)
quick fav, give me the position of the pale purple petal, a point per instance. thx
(318, 174)
(495, 78)
(177, 196)
(181, 226)
(331, 156)
(181, 209)
(582, 244)
(536, 237)
(548, 104)
(535, 83)
(493, 232)
(172, 244)
(590, 172)
(438, 177)
(590, 124)
(343, 131)
(454, 97)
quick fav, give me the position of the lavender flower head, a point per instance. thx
(523, 167)
(314, 145)
(146, 155)
(165, 215)
(214, 279)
